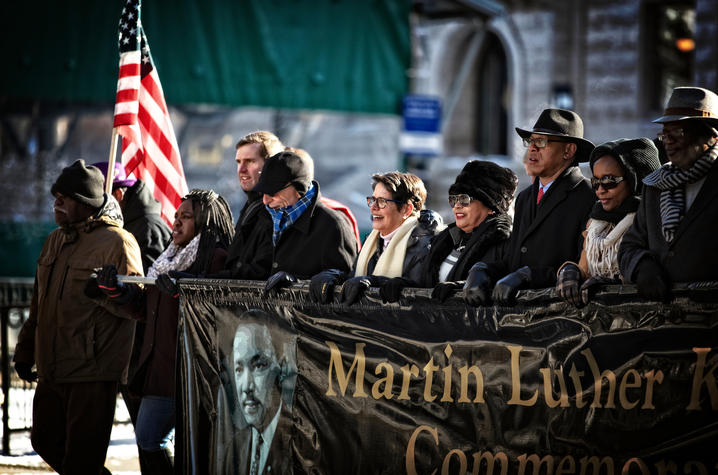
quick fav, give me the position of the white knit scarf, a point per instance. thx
(602, 241)
(391, 261)
(175, 258)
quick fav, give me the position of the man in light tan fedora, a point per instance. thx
(673, 234)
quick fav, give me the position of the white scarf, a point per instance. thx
(391, 261)
(602, 241)
(175, 258)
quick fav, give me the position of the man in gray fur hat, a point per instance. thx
(78, 340)
(671, 239)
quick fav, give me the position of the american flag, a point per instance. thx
(149, 146)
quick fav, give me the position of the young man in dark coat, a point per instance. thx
(550, 214)
(307, 236)
(671, 239)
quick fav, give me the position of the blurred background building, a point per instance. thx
(332, 76)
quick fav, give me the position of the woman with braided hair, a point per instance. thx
(201, 232)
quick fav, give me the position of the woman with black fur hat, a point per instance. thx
(480, 199)
(618, 168)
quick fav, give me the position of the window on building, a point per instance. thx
(668, 50)
(492, 99)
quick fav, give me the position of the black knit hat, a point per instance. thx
(637, 157)
(82, 183)
(487, 182)
(282, 169)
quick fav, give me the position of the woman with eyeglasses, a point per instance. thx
(618, 168)
(480, 199)
(394, 248)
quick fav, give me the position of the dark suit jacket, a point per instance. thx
(693, 254)
(548, 234)
(237, 454)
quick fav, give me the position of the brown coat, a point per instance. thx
(71, 337)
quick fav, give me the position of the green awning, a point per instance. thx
(349, 55)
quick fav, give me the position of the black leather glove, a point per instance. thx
(444, 290)
(166, 285)
(651, 280)
(321, 286)
(568, 285)
(477, 288)
(390, 291)
(24, 370)
(113, 289)
(506, 289)
(591, 285)
(353, 289)
(178, 274)
(278, 281)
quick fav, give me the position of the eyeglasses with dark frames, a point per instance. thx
(539, 142)
(462, 200)
(608, 182)
(380, 202)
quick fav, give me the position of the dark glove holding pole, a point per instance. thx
(651, 280)
(166, 285)
(568, 284)
(444, 290)
(25, 372)
(477, 288)
(591, 285)
(506, 289)
(321, 286)
(279, 281)
(390, 291)
(353, 289)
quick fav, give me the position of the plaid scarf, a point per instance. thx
(282, 218)
(672, 182)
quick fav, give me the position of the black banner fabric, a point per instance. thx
(281, 384)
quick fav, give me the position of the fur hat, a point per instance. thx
(637, 157)
(564, 124)
(82, 183)
(281, 170)
(487, 182)
(119, 177)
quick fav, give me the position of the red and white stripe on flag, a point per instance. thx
(149, 146)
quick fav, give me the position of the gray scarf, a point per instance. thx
(672, 182)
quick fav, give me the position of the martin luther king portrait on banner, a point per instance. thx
(263, 371)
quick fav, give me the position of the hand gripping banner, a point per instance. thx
(280, 384)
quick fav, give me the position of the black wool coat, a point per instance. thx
(550, 233)
(482, 243)
(692, 256)
(250, 253)
(141, 215)
(320, 239)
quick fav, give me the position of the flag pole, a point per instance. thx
(111, 161)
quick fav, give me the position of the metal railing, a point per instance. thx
(15, 296)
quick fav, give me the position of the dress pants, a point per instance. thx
(72, 423)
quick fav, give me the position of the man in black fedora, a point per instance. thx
(306, 235)
(550, 214)
(671, 239)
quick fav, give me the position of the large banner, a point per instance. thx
(280, 384)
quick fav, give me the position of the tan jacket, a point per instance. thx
(71, 337)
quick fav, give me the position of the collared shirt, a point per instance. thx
(267, 437)
(282, 218)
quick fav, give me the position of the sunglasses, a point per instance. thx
(380, 202)
(539, 142)
(608, 182)
(462, 200)
(674, 135)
